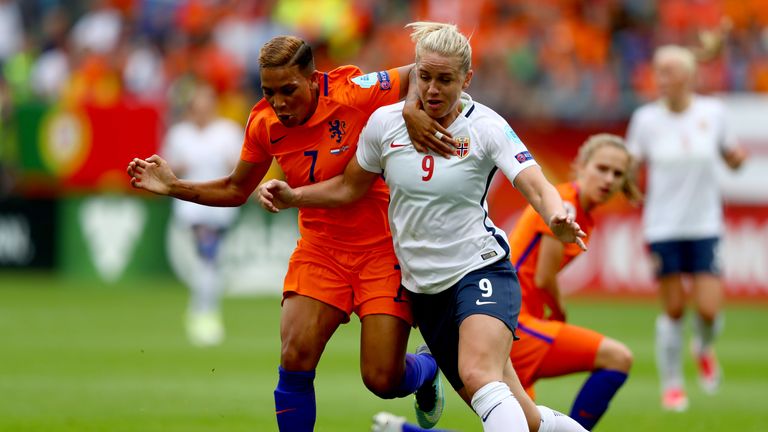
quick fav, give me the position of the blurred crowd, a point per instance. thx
(560, 60)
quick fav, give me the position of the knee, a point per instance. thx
(707, 314)
(382, 383)
(618, 358)
(297, 355)
(675, 311)
(474, 378)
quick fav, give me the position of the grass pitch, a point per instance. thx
(85, 357)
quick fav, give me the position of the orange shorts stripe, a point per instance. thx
(363, 282)
(552, 348)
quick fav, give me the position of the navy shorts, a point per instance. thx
(686, 256)
(493, 290)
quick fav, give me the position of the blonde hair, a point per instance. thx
(677, 53)
(443, 39)
(286, 51)
(629, 186)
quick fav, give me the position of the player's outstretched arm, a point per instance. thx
(547, 202)
(154, 175)
(276, 195)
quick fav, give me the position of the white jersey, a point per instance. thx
(438, 211)
(202, 154)
(681, 151)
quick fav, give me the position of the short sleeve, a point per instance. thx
(507, 150)
(726, 139)
(253, 149)
(369, 146)
(634, 141)
(370, 91)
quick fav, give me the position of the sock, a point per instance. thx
(420, 369)
(706, 332)
(554, 421)
(669, 341)
(498, 408)
(206, 289)
(295, 401)
(595, 395)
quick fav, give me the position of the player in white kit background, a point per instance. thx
(455, 261)
(202, 147)
(681, 137)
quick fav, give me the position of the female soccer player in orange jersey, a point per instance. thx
(549, 346)
(344, 262)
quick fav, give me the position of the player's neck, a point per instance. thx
(451, 116)
(679, 104)
(313, 108)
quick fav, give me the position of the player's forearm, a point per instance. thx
(540, 193)
(216, 193)
(330, 193)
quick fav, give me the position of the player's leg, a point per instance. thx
(306, 325)
(385, 314)
(487, 306)
(708, 321)
(316, 301)
(669, 325)
(204, 324)
(576, 349)
(484, 344)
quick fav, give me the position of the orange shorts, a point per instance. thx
(552, 348)
(365, 282)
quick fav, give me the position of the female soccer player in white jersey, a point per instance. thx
(680, 137)
(454, 260)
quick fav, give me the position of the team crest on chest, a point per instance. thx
(337, 129)
(462, 147)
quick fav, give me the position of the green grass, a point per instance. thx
(94, 358)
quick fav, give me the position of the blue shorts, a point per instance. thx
(493, 290)
(686, 256)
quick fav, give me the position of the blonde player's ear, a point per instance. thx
(467, 80)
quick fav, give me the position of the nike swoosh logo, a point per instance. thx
(480, 303)
(285, 410)
(485, 417)
(393, 145)
(274, 141)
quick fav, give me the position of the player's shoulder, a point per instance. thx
(480, 114)
(649, 110)
(227, 125)
(709, 103)
(261, 113)
(347, 79)
(389, 114)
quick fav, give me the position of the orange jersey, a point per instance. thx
(525, 240)
(320, 149)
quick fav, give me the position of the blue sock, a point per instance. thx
(295, 401)
(595, 395)
(419, 370)
(407, 427)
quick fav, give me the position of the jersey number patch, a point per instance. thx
(428, 165)
(313, 154)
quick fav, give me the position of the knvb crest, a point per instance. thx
(337, 129)
(462, 147)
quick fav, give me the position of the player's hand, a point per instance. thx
(426, 133)
(557, 311)
(275, 195)
(152, 174)
(567, 230)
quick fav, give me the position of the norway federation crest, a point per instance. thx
(462, 147)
